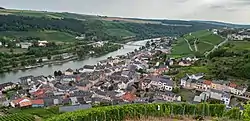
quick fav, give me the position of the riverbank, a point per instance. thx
(106, 49)
(73, 64)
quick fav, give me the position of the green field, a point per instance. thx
(205, 42)
(181, 48)
(51, 36)
(119, 32)
(42, 113)
(15, 50)
(240, 45)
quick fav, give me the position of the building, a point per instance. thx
(21, 102)
(42, 43)
(25, 45)
(162, 83)
(37, 103)
(7, 86)
(69, 72)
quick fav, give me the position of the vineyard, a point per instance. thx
(17, 117)
(136, 111)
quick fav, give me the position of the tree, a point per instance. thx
(40, 60)
(55, 73)
(59, 73)
(49, 57)
(246, 114)
(11, 50)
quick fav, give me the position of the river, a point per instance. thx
(49, 70)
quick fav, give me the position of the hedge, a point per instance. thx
(121, 112)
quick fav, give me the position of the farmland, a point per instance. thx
(199, 42)
(51, 36)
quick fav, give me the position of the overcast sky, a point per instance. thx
(236, 11)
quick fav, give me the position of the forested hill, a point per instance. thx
(103, 28)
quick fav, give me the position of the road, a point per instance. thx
(195, 46)
(188, 44)
(217, 46)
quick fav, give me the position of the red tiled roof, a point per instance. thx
(18, 100)
(129, 97)
(207, 82)
(24, 104)
(233, 85)
(40, 102)
(39, 92)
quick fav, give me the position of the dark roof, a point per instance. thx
(26, 77)
(81, 93)
(88, 66)
(6, 85)
(163, 79)
(69, 70)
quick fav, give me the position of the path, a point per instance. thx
(195, 46)
(188, 44)
(216, 46)
(207, 43)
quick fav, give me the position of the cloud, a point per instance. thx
(223, 10)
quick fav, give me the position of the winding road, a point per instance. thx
(217, 46)
(188, 44)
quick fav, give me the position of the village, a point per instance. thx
(123, 79)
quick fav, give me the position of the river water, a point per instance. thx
(49, 70)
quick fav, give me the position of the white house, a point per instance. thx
(196, 76)
(25, 45)
(226, 98)
(7, 86)
(69, 72)
(42, 43)
(238, 90)
(163, 83)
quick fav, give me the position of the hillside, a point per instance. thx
(196, 43)
(93, 26)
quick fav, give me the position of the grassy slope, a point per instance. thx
(52, 36)
(206, 41)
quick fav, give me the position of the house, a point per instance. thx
(37, 103)
(68, 78)
(74, 101)
(196, 76)
(69, 72)
(87, 68)
(184, 63)
(226, 98)
(50, 78)
(169, 96)
(162, 82)
(247, 95)
(239, 90)
(21, 102)
(129, 97)
(26, 80)
(42, 43)
(7, 86)
(25, 45)
(220, 95)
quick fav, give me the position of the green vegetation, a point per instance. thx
(17, 117)
(136, 111)
(38, 112)
(50, 36)
(230, 61)
(205, 41)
